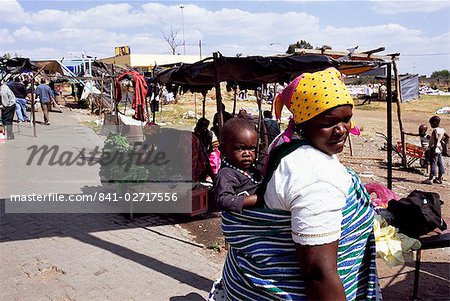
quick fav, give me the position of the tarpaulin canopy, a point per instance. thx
(252, 71)
(409, 87)
(15, 66)
(50, 66)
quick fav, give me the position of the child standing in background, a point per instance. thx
(424, 143)
(438, 141)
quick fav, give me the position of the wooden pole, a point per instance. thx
(101, 97)
(399, 113)
(274, 96)
(203, 105)
(350, 144)
(389, 125)
(195, 105)
(32, 99)
(261, 125)
(217, 86)
(32, 107)
(234, 100)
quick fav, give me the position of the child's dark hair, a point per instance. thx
(202, 122)
(435, 120)
(234, 125)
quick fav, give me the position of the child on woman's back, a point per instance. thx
(237, 179)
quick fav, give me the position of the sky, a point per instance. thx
(418, 30)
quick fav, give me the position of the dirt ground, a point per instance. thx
(369, 161)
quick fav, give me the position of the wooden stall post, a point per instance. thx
(350, 144)
(195, 105)
(32, 107)
(389, 125)
(203, 104)
(399, 114)
(101, 97)
(234, 99)
(217, 86)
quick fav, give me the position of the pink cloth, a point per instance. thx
(383, 194)
(355, 130)
(214, 161)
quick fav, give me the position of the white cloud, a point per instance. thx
(12, 12)
(26, 34)
(396, 7)
(102, 16)
(6, 37)
(392, 36)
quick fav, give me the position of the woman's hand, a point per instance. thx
(319, 267)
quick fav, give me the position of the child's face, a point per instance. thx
(423, 130)
(434, 124)
(240, 150)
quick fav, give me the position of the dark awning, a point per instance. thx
(16, 65)
(252, 71)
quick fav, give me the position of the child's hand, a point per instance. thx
(252, 200)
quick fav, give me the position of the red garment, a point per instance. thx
(140, 91)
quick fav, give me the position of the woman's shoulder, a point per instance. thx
(308, 165)
(311, 155)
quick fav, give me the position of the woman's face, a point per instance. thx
(329, 130)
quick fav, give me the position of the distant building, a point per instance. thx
(145, 62)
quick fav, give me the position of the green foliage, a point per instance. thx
(299, 44)
(132, 174)
(117, 162)
(325, 47)
(116, 143)
(443, 74)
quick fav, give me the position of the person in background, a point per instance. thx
(237, 179)
(214, 156)
(368, 96)
(20, 92)
(44, 93)
(383, 91)
(203, 134)
(424, 143)
(8, 106)
(272, 126)
(226, 116)
(438, 142)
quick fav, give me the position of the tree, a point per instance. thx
(443, 74)
(299, 44)
(171, 39)
(324, 47)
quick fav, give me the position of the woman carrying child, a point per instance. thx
(313, 240)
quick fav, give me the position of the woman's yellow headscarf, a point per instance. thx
(313, 93)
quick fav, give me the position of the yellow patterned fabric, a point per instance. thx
(313, 93)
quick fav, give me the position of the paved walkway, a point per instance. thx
(88, 256)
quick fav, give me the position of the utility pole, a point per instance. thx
(200, 47)
(182, 25)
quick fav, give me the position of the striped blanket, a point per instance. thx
(262, 263)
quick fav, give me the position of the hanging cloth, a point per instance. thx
(140, 91)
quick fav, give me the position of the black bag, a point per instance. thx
(418, 213)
